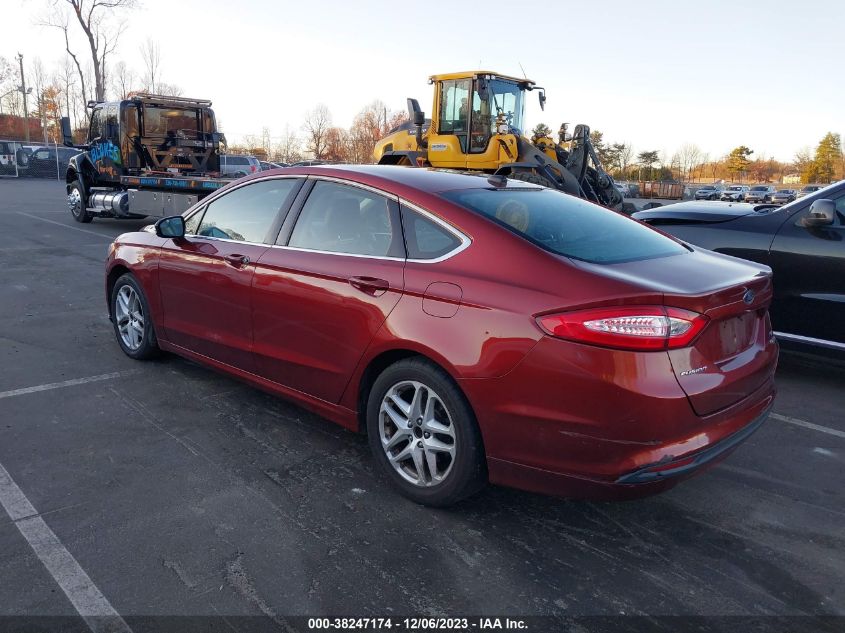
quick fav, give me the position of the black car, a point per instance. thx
(803, 242)
(50, 162)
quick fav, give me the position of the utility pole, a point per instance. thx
(23, 91)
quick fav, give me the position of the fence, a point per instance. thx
(19, 159)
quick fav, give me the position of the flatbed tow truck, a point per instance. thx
(148, 155)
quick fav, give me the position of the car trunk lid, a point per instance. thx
(735, 353)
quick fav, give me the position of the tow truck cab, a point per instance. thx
(145, 155)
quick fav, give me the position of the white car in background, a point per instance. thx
(735, 193)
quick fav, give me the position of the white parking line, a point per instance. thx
(83, 594)
(808, 425)
(67, 383)
(65, 226)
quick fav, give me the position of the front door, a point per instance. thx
(809, 282)
(321, 295)
(205, 278)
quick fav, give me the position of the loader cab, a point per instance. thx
(476, 119)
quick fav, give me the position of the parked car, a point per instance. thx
(476, 330)
(238, 166)
(708, 192)
(807, 190)
(623, 189)
(760, 193)
(50, 161)
(802, 242)
(267, 165)
(14, 158)
(783, 196)
(734, 193)
(311, 163)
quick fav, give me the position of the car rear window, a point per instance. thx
(566, 225)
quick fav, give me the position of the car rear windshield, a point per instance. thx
(566, 225)
(759, 188)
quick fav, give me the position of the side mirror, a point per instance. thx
(172, 227)
(416, 115)
(67, 133)
(821, 213)
(542, 97)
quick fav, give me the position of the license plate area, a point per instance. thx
(738, 333)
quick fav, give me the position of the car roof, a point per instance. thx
(422, 178)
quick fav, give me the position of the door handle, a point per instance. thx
(370, 285)
(237, 260)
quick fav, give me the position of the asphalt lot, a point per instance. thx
(179, 491)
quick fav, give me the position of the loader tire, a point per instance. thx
(527, 176)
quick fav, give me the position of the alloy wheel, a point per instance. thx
(129, 316)
(417, 433)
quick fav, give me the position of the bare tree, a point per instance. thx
(101, 30)
(625, 152)
(123, 80)
(64, 79)
(289, 149)
(59, 19)
(38, 80)
(169, 90)
(337, 145)
(689, 155)
(152, 65)
(317, 124)
(7, 81)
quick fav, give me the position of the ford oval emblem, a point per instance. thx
(748, 297)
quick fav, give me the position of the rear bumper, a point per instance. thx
(690, 463)
(580, 422)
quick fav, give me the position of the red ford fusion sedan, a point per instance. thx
(476, 329)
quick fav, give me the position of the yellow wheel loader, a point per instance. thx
(477, 125)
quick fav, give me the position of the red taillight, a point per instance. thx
(252, 168)
(632, 327)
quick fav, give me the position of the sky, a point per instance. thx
(654, 74)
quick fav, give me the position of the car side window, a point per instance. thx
(192, 222)
(424, 238)
(246, 213)
(339, 218)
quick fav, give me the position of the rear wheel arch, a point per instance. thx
(397, 438)
(376, 366)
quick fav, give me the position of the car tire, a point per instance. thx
(415, 409)
(77, 203)
(136, 336)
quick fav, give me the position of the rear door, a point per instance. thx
(809, 265)
(205, 278)
(324, 291)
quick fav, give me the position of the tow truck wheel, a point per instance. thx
(77, 203)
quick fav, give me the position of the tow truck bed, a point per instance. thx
(199, 184)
